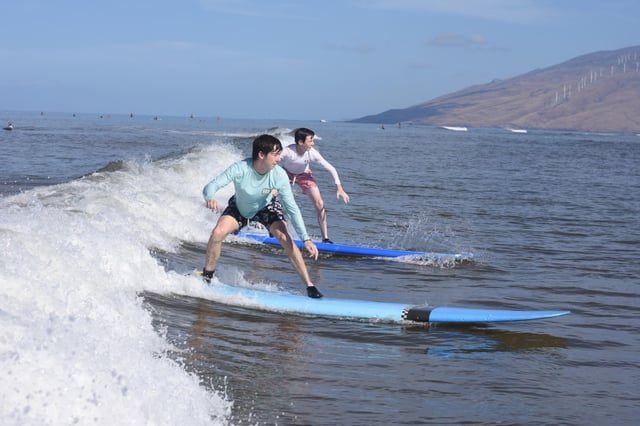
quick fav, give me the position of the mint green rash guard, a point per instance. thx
(255, 191)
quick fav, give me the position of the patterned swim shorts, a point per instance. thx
(271, 213)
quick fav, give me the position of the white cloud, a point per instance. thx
(458, 40)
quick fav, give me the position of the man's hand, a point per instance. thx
(341, 194)
(311, 249)
(211, 204)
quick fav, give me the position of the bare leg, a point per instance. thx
(321, 213)
(225, 226)
(279, 230)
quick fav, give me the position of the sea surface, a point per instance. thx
(102, 222)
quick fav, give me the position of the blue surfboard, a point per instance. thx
(288, 303)
(358, 250)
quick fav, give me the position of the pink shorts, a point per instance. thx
(304, 180)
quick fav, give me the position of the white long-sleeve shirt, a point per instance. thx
(297, 164)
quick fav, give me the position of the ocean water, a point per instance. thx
(102, 220)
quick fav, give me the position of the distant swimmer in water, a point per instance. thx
(9, 126)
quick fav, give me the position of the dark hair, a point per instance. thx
(302, 133)
(265, 144)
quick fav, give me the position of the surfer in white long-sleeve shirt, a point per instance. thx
(296, 159)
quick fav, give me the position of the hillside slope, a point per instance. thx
(595, 92)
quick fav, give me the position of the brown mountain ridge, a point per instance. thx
(598, 91)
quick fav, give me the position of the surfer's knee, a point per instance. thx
(217, 236)
(322, 213)
(285, 240)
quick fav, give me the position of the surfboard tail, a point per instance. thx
(467, 315)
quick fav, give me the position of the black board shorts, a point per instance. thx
(271, 213)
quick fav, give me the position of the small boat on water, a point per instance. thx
(455, 128)
(513, 130)
(9, 126)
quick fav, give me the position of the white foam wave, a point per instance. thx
(76, 343)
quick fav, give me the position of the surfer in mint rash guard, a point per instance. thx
(262, 189)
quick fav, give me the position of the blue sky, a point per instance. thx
(286, 59)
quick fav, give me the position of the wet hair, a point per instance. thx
(265, 144)
(302, 133)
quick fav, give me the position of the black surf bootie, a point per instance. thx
(313, 292)
(207, 276)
